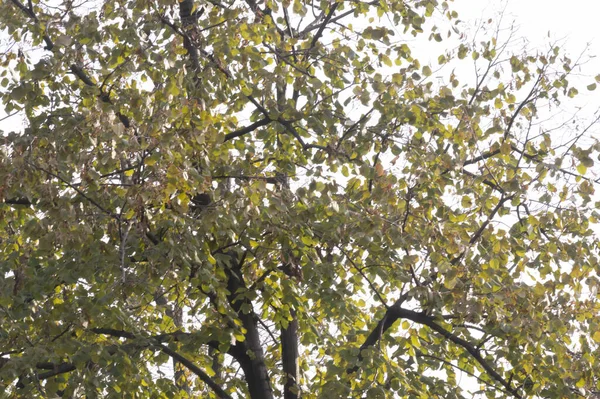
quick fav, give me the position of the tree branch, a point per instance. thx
(56, 370)
(77, 70)
(314, 25)
(31, 14)
(527, 100)
(18, 201)
(322, 26)
(420, 318)
(360, 271)
(77, 190)
(439, 359)
(384, 324)
(481, 157)
(173, 354)
(396, 312)
(248, 129)
(196, 370)
(104, 97)
(479, 231)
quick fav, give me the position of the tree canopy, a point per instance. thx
(229, 199)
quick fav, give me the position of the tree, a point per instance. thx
(276, 199)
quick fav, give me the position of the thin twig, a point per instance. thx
(70, 185)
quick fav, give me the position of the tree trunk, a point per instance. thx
(252, 358)
(289, 358)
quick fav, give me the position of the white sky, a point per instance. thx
(573, 23)
(577, 19)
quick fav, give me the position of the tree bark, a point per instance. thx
(289, 358)
(251, 357)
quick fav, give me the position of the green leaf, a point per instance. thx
(466, 202)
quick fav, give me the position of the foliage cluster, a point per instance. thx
(277, 199)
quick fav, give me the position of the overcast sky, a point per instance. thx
(573, 23)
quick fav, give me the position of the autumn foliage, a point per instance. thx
(278, 199)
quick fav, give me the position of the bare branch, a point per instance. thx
(528, 99)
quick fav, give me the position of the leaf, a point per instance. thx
(466, 202)
(379, 170)
(572, 92)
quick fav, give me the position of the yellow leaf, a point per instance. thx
(130, 213)
(414, 340)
